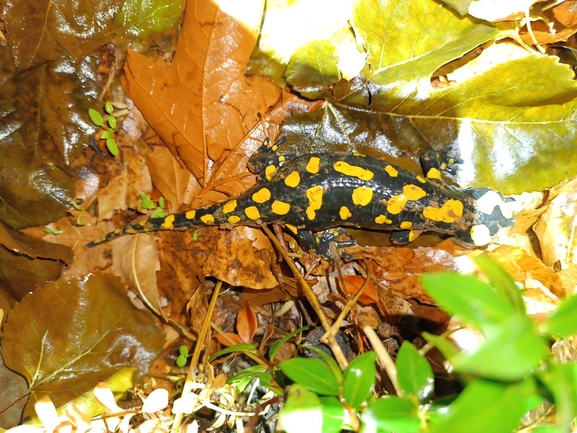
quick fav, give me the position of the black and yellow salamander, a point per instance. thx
(310, 193)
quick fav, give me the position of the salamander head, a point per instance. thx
(493, 213)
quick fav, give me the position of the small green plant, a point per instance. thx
(76, 204)
(147, 203)
(109, 126)
(509, 374)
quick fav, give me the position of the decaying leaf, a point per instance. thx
(135, 260)
(69, 335)
(45, 125)
(27, 262)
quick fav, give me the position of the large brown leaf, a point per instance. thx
(202, 105)
(69, 335)
(44, 125)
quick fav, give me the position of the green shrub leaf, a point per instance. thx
(486, 406)
(359, 379)
(302, 410)
(312, 373)
(563, 321)
(390, 415)
(472, 300)
(414, 373)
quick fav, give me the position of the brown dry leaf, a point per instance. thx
(187, 101)
(130, 178)
(246, 323)
(556, 227)
(566, 13)
(354, 283)
(398, 269)
(196, 307)
(173, 181)
(21, 243)
(226, 255)
(522, 266)
(135, 260)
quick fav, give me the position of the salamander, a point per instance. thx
(314, 192)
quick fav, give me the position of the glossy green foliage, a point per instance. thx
(518, 115)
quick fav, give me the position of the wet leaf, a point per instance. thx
(27, 262)
(45, 126)
(311, 373)
(414, 373)
(359, 379)
(13, 387)
(67, 336)
(142, 18)
(58, 29)
(354, 283)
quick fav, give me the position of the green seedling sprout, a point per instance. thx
(109, 127)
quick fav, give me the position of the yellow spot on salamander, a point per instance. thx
(208, 219)
(292, 228)
(414, 234)
(269, 171)
(229, 207)
(313, 165)
(130, 231)
(434, 173)
(353, 170)
(252, 212)
(315, 198)
(142, 223)
(117, 231)
(168, 223)
(281, 159)
(406, 225)
(261, 196)
(381, 219)
(421, 179)
(233, 219)
(451, 211)
(293, 179)
(393, 172)
(345, 213)
(362, 196)
(397, 202)
(280, 207)
(190, 214)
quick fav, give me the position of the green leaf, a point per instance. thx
(158, 213)
(183, 350)
(390, 415)
(112, 122)
(278, 343)
(330, 361)
(561, 381)
(414, 38)
(96, 117)
(69, 335)
(474, 301)
(334, 414)
(359, 379)
(302, 411)
(512, 352)
(486, 406)
(312, 373)
(258, 371)
(181, 360)
(501, 281)
(111, 146)
(161, 203)
(241, 348)
(146, 202)
(105, 135)
(562, 322)
(108, 107)
(414, 373)
(312, 68)
(447, 348)
(142, 18)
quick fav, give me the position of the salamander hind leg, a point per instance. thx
(322, 244)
